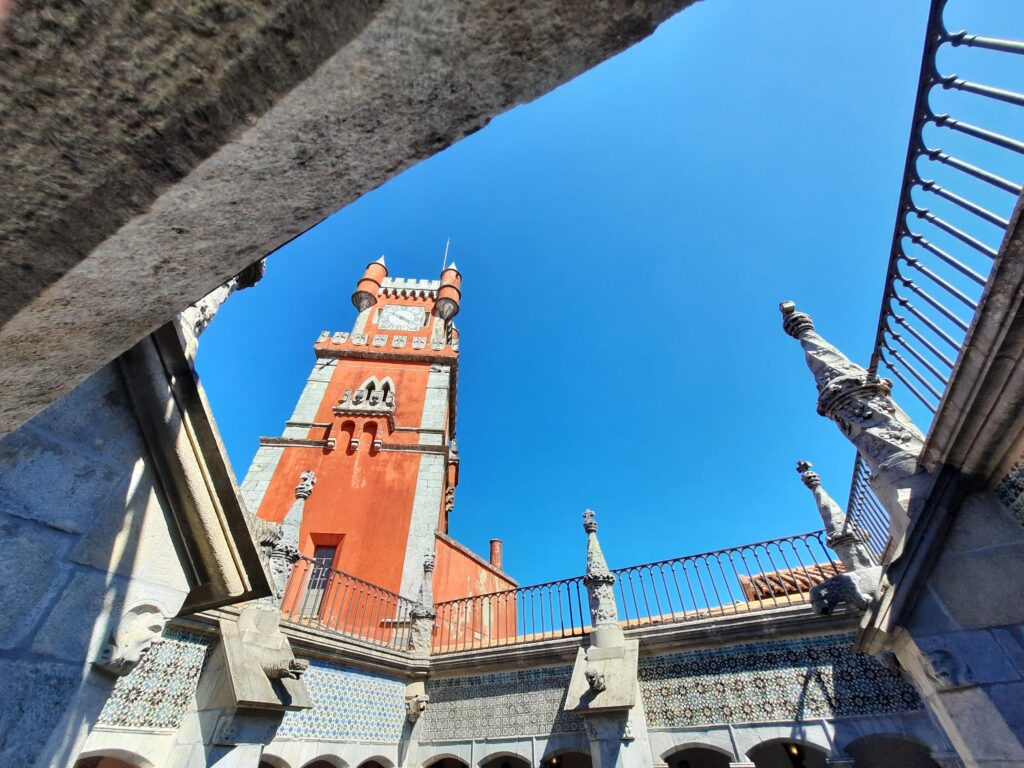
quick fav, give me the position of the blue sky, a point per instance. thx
(744, 154)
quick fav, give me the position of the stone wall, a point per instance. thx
(86, 536)
(784, 680)
(1010, 490)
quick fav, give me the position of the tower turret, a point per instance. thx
(368, 287)
(450, 293)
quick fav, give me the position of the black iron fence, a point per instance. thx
(323, 598)
(953, 211)
(755, 577)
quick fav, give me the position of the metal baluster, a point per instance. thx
(991, 43)
(937, 155)
(991, 137)
(964, 203)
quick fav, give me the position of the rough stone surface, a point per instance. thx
(28, 542)
(155, 121)
(33, 707)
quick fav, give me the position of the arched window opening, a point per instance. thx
(568, 760)
(882, 750)
(448, 762)
(505, 761)
(698, 757)
(788, 754)
(104, 761)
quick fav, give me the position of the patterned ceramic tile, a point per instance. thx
(348, 705)
(1010, 491)
(783, 680)
(159, 691)
(519, 703)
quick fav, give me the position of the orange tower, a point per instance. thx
(376, 423)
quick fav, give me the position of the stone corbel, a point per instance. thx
(139, 627)
(258, 658)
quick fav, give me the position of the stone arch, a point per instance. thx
(384, 762)
(772, 752)
(877, 750)
(110, 757)
(504, 754)
(697, 754)
(567, 757)
(325, 761)
(667, 754)
(273, 761)
(441, 756)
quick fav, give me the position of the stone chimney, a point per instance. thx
(496, 552)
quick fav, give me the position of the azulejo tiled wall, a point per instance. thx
(348, 705)
(159, 691)
(518, 703)
(783, 680)
(1010, 491)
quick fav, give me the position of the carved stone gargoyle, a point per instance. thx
(416, 705)
(858, 584)
(138, 628)
(264, 672)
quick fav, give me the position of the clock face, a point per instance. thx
(395, 317)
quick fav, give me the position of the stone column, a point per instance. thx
(423, 614)
(861, 405)
(284, 547)
(858, 585)
(604, 686)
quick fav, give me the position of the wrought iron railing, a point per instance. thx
(755, 577)
(323, 598)
(952, 215)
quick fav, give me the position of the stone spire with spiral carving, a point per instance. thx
(600, 584)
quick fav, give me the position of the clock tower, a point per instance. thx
(376, 423)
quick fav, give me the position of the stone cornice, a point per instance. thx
(791, 621)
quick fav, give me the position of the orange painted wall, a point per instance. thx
(458, 574)
(471, 623)
(363, 499)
